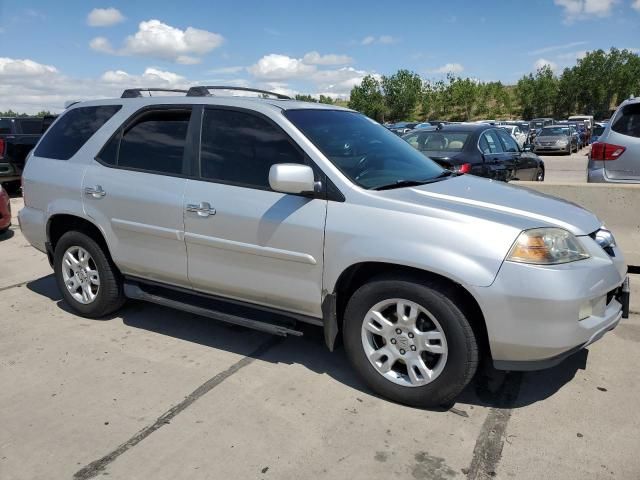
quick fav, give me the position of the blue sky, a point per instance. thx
(55, 51)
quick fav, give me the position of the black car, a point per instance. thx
(481, 150)
(401, 128)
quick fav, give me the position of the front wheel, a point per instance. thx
(409, 341)
(89, 281)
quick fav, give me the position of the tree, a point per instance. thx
(402, 91)
(367, 98)
(305, 98)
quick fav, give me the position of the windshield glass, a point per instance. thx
(598, 129)
(366, 152)
(437, 141)
(554, 131)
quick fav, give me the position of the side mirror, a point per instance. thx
(291, 178)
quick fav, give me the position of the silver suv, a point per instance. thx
(615, 157)
(265, 212)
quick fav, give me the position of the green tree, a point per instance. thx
(367, 98)
(305, 98)
(402, 91)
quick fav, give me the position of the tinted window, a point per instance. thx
(31, 127)
(240, 148)
(5, 126)
(508, 142)
(155, 142)
(72, 131)
(366, 152)
(490, 143)
(628, 121)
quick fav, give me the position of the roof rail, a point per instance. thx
(137, 92)
(203, 91)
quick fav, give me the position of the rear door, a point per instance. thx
(244, 240)
(625, 132)
(134, 190)
(497, 164)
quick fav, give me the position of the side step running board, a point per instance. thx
(133, 290)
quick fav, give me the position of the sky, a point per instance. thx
(53, 52)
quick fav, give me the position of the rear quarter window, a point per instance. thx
(5, 126)
(31, 126)
(628, 121)
(72, 130)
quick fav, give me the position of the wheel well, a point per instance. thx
(357, 275)
(58, 225)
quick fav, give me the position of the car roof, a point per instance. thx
(460, 127)
(226, 100)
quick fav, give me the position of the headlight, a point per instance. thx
(546, 246)
(562, 142)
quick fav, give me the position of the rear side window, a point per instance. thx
(72, 131)
(31, 126)
(155, 143)
(489, 142)
(5, 126)
(240, 148)
(628, 121)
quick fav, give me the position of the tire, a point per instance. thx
(539, 175)
(454, 369)
(109, 295)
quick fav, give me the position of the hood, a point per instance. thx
(499, 202)
(551, 138)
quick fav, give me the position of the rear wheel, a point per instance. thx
(409, 341)
(87, 278)
(540, 175)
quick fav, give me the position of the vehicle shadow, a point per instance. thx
(490, 388)
(7, 235)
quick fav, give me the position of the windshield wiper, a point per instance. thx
(415, 183)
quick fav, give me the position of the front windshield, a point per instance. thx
(437, 141)
(554, 131)
(366, 152)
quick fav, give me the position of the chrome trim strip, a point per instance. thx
(145, 229)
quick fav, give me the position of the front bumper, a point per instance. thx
(533, 312)
(551, 149)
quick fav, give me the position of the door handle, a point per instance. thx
(203, 209)
(96, 192)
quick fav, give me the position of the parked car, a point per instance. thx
(5, 211)
(232, 207)
(586, 119)
(18, 135)
(517, 134)
(478, 149)
(537, 123)
(556, 138)
(615, 157)
(403, 127)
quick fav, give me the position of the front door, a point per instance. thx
(245, 241)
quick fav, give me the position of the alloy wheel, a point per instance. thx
(404, 342)
(80, 275)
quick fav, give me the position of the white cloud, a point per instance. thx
(314, 58)
(104, 17)
(543, 62)
(280, 67)
(28, 86)
(448, 68)
(15, 68)
(158, 40)
(636, 5)
(101, 44)
(585, 9)
(554, 48)
(382, 39)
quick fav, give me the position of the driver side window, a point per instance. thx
(508, 142)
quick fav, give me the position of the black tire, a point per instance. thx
(539, 175)
(462, 360)
(110, 296)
